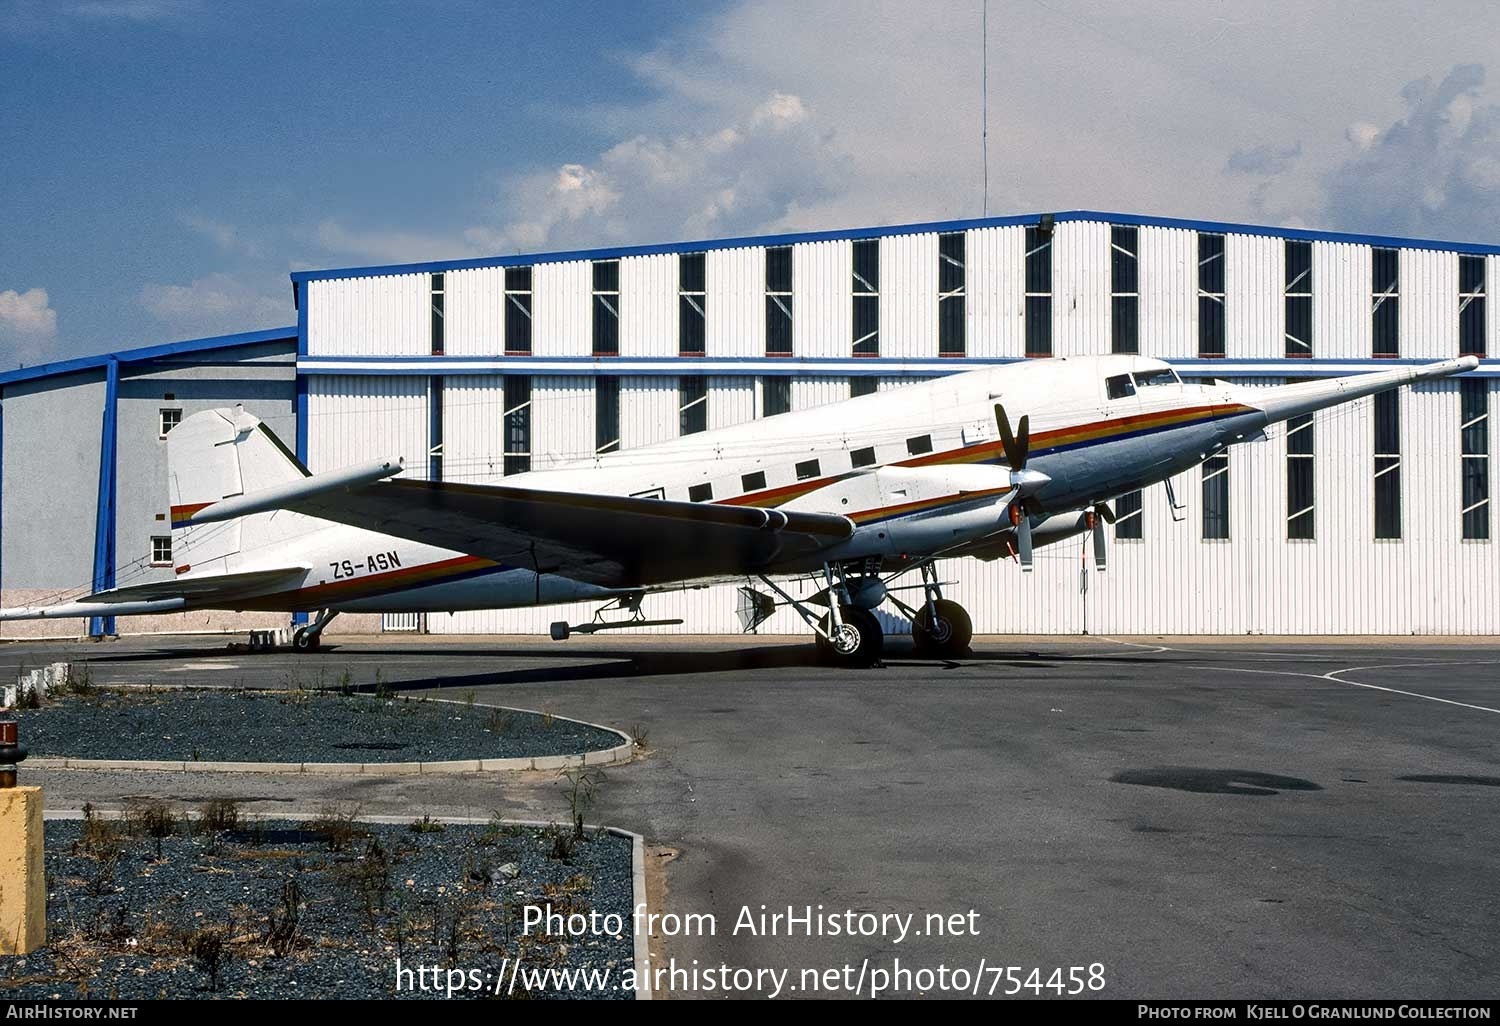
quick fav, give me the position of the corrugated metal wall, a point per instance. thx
(1172, 581)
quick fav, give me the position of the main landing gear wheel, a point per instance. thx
(947, 634)
(306, 640)
(858, 641)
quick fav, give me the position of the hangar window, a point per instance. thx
(1299, 478)
(779, 301)
(1388, 464)
(775, 396)
(1474, 432)
(863, 386)
(1124, 289)
(606, 308)
(1038, 291)
(808, 469)
(951, 294)
(166, 420)
(606, 415)
(1210, 294)
(161, 550)
(861, 458)
(437, 315)
(1216, 497)
(692, 405)
(700, 492)
(1119, 387)
(1471, 338)
(754, 481)
(1385, 301)
(1128, 516)
(517, 424)
(518, 311)
(435, 403)
(866, 287)
(1298, 299)
(918, 445)
(692, 305)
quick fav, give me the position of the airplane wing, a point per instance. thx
(217, 590)
(611, 540)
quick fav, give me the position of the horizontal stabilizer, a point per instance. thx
(288, 494)
(217, 590)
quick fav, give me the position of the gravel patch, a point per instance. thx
(295, 726)
(125, 923)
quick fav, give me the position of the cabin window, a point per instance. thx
(918, 445)
(1119, 386)
(753, 482)
(700, 492)
(650, 493)
(863, 457)
(1152, 378)
(808, 469)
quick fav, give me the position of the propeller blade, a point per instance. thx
(1106, 511)
(1099, 554)
(1016, 446)
(1023, 543)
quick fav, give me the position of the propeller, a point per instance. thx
(1022, 481)
(1096, 516)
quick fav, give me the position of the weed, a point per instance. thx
(285, 918)
(80, 680)
(549, 715)
(338, 828)
(369, 877)
(639, 738)
(346, 682)
(383, 690)
(218, 814)
(499, 721)
(426, 825)
(583, 785)
(151, 818)
(469, 699)
(497, 829)
(563, 843)
(210, 950)
(99, 841)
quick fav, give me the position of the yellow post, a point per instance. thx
(23, 875)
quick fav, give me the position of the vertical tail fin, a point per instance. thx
(211, 456)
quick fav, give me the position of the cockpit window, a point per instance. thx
(1160, 376)
(1119, 386)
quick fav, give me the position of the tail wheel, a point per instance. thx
(858, 641)
(947, 634)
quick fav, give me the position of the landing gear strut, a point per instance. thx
(939, 627)
(847, 634)
(310, 637)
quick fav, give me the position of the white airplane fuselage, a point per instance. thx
(938, 479)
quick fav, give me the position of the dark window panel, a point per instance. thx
(437, 315)
(1299, 435)
(863, 386)
(866, 325)
(1125, 325)
(1216, 497)
(606, 415)
(776, 396)
(1387, 423)
(1476, 492)
(1124, 259)
(606, 326)
(518, 323)
(1386, 323)
(861, 458)
(1385, 271)
(700, 492)
(692, 395)
(517, 424)
(1038, 261)
(691, 273)
(606, 276)
(951, 260)
(692, 334)
(1387, 497)
(518, 279)
(1298, 266)
(754, 481)
(919, 445)
(779, 269)
(1210, 326)
(1473, 406)
(867, 265)
(1299, 327)
(1038, 325)
(1128, 516)
(951, 326)
(808, 469)
(1471, 327)
(1211, 263)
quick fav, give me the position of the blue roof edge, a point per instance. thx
(1141, 220)
(194, 345)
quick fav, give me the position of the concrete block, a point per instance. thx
(23, 876)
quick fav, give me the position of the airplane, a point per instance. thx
(845, 498)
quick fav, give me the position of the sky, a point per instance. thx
(165, 164)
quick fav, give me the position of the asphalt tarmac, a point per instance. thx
(1191, 817)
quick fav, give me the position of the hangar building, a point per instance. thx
(1374, 518)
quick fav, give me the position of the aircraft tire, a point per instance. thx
(948, 636)
(305, 640)
(864, 640)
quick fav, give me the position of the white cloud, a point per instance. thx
(1434, 172)
(216, 304)
(385, 247)
(28, 327)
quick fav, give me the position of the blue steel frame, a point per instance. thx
(104, 510)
